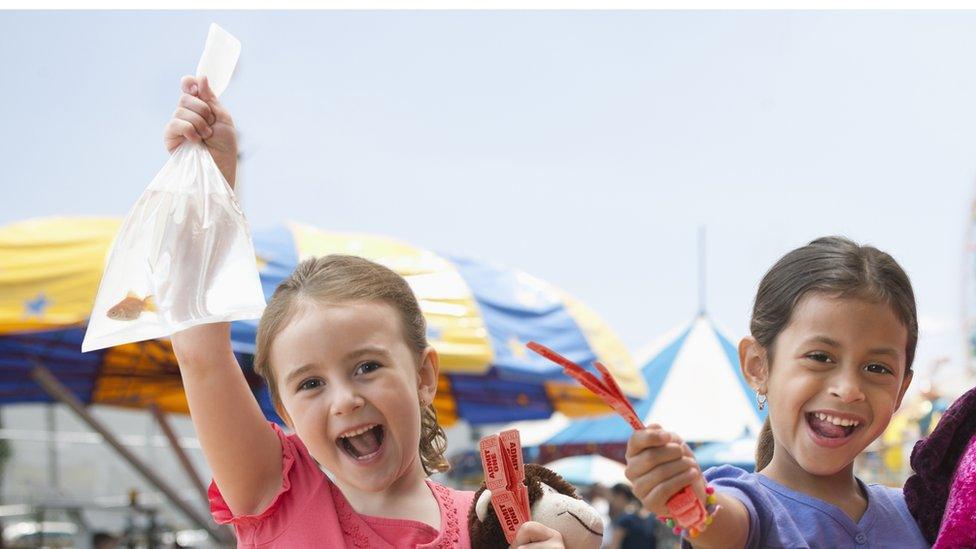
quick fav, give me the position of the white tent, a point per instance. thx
(695, 388)
(582, 470)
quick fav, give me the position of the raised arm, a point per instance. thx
(244, 454)
(659, 464)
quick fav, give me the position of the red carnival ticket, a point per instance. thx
(509, 513)
(493, 462)
(512, 447)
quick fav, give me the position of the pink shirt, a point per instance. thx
(310, 511)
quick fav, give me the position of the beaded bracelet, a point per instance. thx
(692, 531)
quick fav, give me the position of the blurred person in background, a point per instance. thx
(633, 526)
(598, 497)
(104, 540)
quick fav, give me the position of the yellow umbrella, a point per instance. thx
(479, 316)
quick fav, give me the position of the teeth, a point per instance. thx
(836, 420)
(357, 432)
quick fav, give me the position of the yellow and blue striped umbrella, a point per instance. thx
(479, 315)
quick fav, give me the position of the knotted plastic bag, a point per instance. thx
(183, 255)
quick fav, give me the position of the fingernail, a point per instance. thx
(193, 89)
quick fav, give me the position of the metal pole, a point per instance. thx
(180, 453)
(53, 469)
(4, 457)
(701, 270)
(53, 387)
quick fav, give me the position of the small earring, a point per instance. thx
(761, 400)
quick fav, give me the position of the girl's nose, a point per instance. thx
(345, 399)
(846, 387)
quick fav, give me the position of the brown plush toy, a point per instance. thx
(553, 502)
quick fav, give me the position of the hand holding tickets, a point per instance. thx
(183, 256)
(685, 510)
(668, 481)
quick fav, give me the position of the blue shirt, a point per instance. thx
(781, 517)
(639, 532)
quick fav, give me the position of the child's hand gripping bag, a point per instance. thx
(183, 255)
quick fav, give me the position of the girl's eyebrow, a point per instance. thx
(369, 350)
(298, 372)
(884, 351)
(823, 339)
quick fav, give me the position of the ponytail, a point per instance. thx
(433, 442)
(764, 446)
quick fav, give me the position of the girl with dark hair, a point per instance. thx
(833, 336)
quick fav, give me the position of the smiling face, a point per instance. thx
(350, 386)
(838, 375)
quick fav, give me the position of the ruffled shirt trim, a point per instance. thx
(222, 513)
(450, 535)
(354, 524)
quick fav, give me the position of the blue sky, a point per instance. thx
(583, 147)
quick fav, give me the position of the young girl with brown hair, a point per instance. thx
(343, 348)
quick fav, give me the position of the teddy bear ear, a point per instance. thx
(483, 528)
(481, 504)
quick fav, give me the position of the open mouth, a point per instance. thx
(831, 429)
(362, 444)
